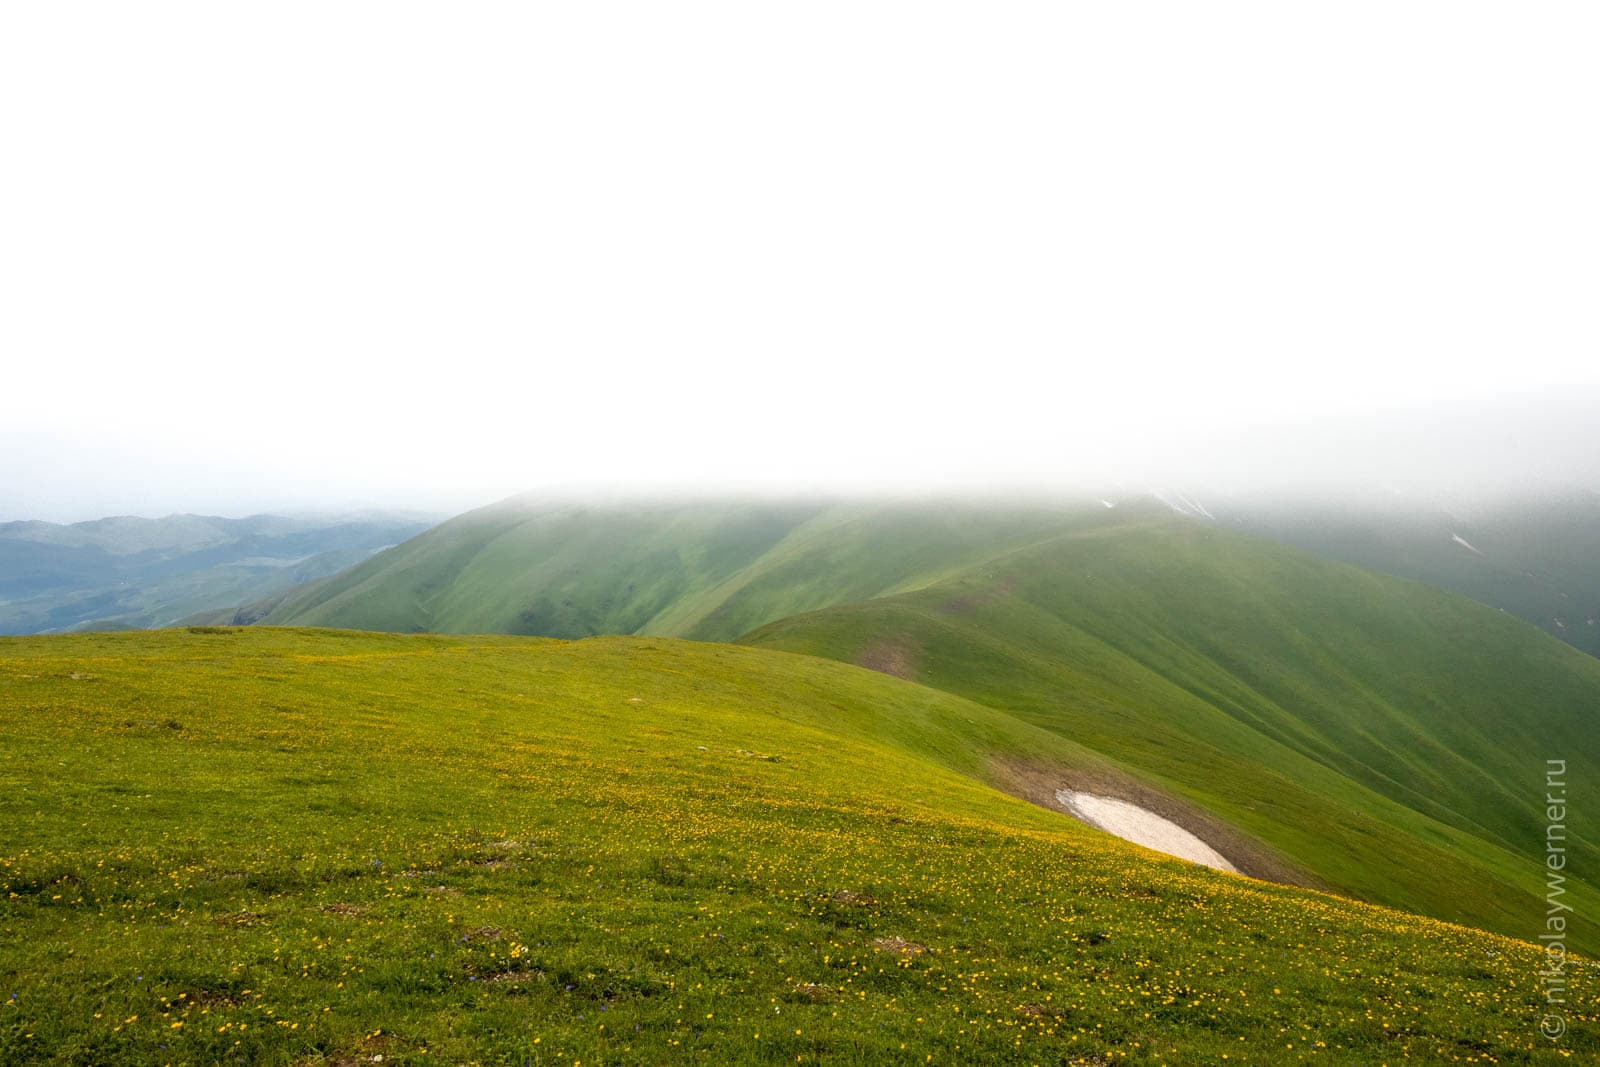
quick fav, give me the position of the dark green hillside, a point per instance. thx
(1388, 737)
(316, 847)
(1380, 737)
(1537, 558)
(708, 571)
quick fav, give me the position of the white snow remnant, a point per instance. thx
(1133, 823)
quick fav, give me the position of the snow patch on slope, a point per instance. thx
(1183, 504)
(1133, 823)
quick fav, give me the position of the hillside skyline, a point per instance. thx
(869, 248)
(1525, 445)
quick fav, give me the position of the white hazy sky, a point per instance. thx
(312, 254)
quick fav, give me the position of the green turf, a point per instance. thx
(1387, 737)
(301, 847)
(710, 571)
(1533, 556)
(1379, 737)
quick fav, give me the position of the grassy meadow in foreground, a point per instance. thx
(298, 847)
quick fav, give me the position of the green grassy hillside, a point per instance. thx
(1332, 726)
(710, 571)
(1382, 735)
(1534, 557)
(305, 847)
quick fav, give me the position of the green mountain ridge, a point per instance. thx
(1534, 556)
(1340, 727)
(708, 571)
(1385, 736)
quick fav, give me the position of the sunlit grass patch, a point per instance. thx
(444, 850)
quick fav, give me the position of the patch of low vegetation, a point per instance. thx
(1383, 738)
(417, 850)
(1315, 723)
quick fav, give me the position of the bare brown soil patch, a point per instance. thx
(209, 998)
(515, 976)
(239, 918)
(967, 603)
(377, 1048)
(349, 911)
(899, 946)
(891, 655)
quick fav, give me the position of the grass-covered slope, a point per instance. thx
(1378, 736)
(1534, 557)
(313, 847)
(1387, 737)
(710, 571)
